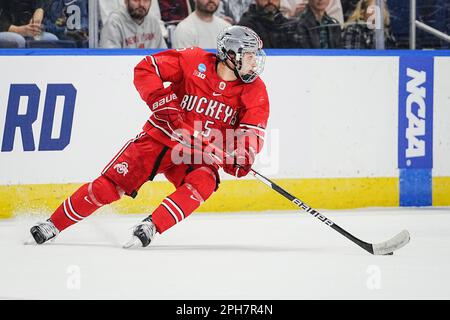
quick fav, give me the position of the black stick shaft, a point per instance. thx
(366, 246)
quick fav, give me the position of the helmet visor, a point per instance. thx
(250, 64)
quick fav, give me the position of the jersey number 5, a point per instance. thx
(207, 130)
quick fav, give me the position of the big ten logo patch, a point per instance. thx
(22, 112)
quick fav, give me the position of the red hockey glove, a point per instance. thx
(241, 163)
(166, 110)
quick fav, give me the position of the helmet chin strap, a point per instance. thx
(233, 68)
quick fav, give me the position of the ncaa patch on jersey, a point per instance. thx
(201, 67)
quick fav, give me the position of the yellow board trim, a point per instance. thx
(441, 191)
(233, 195)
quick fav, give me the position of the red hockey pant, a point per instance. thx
(140, 160)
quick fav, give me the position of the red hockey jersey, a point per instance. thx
(205, 99)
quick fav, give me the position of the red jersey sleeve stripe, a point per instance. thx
(174, 138)
(155, 65)
(251, 126)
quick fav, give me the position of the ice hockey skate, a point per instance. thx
(42, 232)
(143, 234)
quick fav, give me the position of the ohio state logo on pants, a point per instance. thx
(131, 167)
(122, 168)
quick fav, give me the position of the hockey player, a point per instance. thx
(209, 95)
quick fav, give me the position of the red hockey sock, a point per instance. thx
(176, 207)
(88, 198)
(197, 187)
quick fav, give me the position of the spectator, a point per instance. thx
(201, 27)
(232, 10)
(293, 8)
(266, 19)
(348, 6)
(69, 20)
(132, 27)
(359, 32)
(316, 29)
(174, 11)
(106, 7)
(21, 20)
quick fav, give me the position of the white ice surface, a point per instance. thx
(287, 255)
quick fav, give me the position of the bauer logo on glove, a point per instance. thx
(164, 100)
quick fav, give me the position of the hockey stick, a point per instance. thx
(384, 248)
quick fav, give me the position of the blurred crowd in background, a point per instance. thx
(312, 24)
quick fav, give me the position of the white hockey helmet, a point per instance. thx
(233, 43)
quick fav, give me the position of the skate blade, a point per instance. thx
(30, 241)
(133, 243)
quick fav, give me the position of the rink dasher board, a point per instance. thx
(335, 150)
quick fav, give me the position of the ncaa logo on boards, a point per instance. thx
(416, 113)
(415, 130)
(416, 116)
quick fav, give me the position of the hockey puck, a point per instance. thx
(388, 254)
